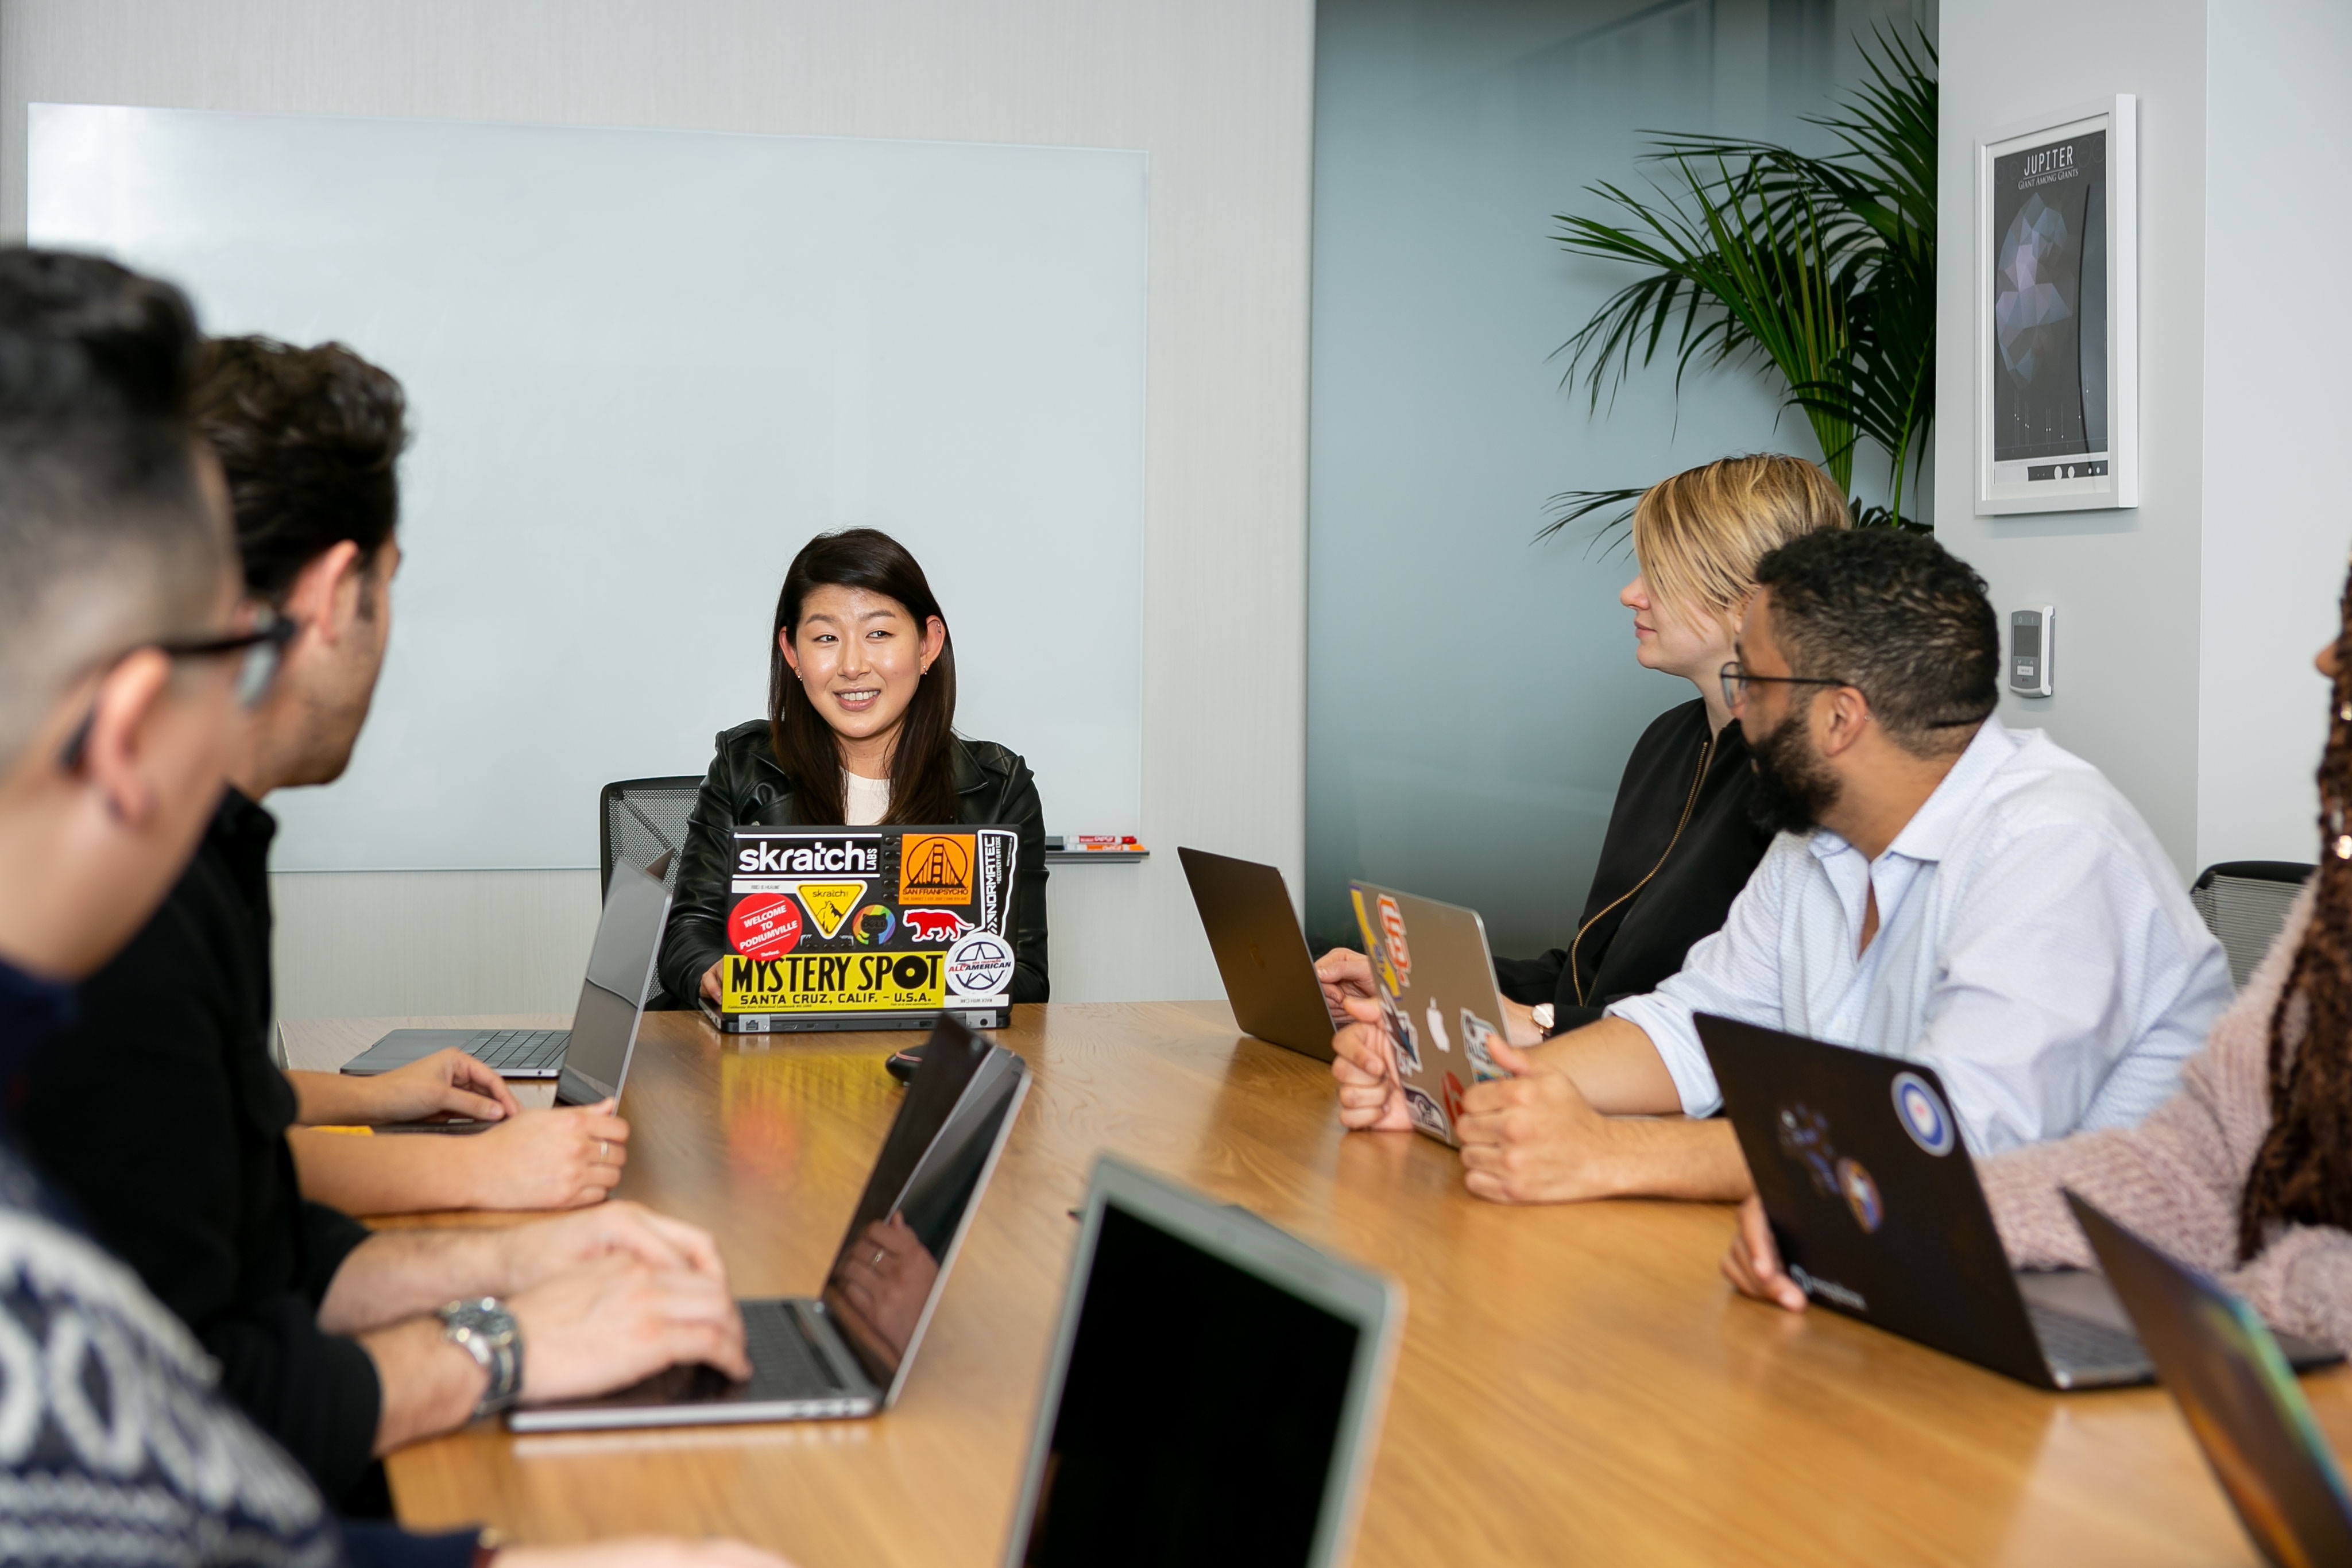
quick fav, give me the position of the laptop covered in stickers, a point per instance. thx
(867, 928)
(1878, 1214)
(1435, 982)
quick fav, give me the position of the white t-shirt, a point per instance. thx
(864, 801)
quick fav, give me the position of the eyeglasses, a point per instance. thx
(1735, 682)
(260, 650)
(263, 649)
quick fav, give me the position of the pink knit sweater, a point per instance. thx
(2176, 1177)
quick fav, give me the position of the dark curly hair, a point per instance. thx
(1896, 615)
(2302, 1175)
(309, 440)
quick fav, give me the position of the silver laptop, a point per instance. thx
(1215, 1391)
(1261, 953)
(589, 1061)
(1435, 982)
(847, 1352)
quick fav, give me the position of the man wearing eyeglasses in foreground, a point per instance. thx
(1943, 889)
(118, 626)
(325, 1334)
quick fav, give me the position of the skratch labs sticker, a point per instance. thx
(867, 919)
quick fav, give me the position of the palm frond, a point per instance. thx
(1822, 266)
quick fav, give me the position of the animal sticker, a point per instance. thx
(941, 926)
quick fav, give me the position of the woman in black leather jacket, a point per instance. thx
(860, 729)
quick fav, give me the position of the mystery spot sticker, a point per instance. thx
(981, 965)
(764, 926)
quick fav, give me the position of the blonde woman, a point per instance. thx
(1681, 844)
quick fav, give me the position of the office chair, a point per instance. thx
(2244, 902)
(641, 820)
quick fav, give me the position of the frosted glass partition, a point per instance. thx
(644, 367)
(1472, 695)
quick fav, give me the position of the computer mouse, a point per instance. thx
(901, 1064)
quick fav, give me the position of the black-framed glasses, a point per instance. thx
(260, 649)
(1735, 682)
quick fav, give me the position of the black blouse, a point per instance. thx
(1680, 848)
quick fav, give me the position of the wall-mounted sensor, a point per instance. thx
(2029, 650)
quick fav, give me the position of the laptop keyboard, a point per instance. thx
(784, 1365)
(2069, 1342)
(518, 1050)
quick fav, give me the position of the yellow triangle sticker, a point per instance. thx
(829, 903)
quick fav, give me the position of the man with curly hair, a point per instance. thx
(1942, 889)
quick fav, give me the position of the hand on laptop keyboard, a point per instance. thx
(448, 1082)
(613, 1321)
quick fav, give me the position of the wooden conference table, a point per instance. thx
(1575, 1383)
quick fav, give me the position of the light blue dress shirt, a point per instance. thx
(2034, 946)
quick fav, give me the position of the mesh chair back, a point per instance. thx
(641, 820)
(2244, 904)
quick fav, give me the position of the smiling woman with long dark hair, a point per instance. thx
(860, 729)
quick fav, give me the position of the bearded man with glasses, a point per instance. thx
(1942, 889)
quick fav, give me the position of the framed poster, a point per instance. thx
(2057, 280)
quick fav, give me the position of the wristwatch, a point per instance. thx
(485, 1331)
(1542, 1015)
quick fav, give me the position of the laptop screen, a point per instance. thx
(1199, 1414)
(620, 974)
(894, 1255)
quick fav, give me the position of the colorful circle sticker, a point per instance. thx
(764, 926)
(1923, 1114)
(1861, 1195)
(874, 926)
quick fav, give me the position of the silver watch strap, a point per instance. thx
(484, 1330)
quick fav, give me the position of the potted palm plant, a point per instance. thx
(1822, 267)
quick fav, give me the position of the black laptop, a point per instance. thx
(1261, 953)
(846, 1351)
(2224, 1368)
(1215, 1394)
(1878, 1214)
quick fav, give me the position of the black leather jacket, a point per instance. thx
(747, 787)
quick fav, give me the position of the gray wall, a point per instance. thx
(2278, 334)
(2125, 582)
(1217, 91)
(1472, 696)
(2186, 626)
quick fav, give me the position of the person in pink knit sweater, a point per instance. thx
(2246, 1172)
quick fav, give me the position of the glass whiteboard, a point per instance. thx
(642, 368)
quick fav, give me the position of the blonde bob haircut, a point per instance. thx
(1699, 535)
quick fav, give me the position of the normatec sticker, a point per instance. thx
(1923, 1114)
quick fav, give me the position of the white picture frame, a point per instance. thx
(2056, 269)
